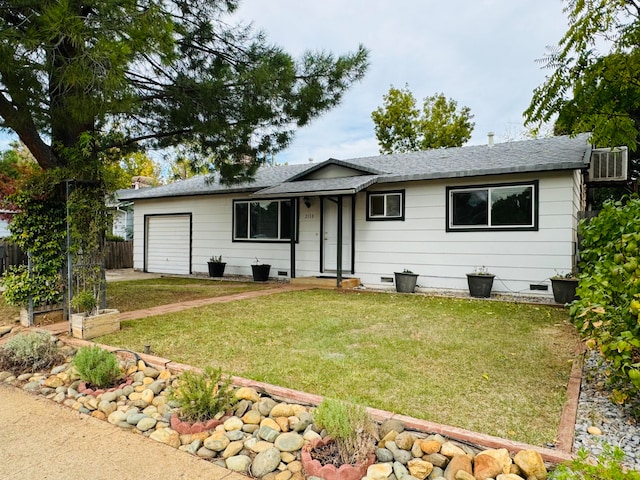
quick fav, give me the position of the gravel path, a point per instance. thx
(595, 409)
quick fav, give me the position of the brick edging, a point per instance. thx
(567, 427)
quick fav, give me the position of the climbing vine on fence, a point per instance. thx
(607, 314)
(38, 228)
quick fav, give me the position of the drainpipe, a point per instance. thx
(339, 249)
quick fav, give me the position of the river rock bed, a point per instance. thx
(263, 437)
(601, 421)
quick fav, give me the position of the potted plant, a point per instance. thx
(347, 450)
(405, 281)
(260, 271)
(89, 321)
(564, 287)
(480, 282)
(216, 266)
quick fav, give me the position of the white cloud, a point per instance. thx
(480, 53)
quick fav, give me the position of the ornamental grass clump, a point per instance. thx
(203, 395)
(30, 352)
(97, 367)
(352, 429)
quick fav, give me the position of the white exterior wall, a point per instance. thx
(212, 218)
(419, 243)
(442, 259)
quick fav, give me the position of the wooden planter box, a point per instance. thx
(43, 315)
(107, 321)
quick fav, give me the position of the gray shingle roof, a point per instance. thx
(546, 154)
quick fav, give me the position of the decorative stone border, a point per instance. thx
(473, 439)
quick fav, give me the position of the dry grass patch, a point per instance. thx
(492, 367)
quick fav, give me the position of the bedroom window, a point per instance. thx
(494, 207)
(268, 220)
(385, 205)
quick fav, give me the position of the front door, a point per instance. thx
(330, 232)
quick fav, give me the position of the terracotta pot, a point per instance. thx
(183, 427)
(330, 472)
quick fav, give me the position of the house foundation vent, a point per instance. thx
(282, 273)
(386, 279)
(538, 286)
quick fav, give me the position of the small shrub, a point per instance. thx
(97, 367)
(29, 352)
(607, 466)
(350, 426)
(203, 395)
(84, 301)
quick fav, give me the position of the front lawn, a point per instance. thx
(140, 294)
(491, 367)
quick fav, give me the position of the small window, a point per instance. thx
(262, 220)
(385, 205)
(496, 207)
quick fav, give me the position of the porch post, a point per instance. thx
(339, 249)
(292, 230)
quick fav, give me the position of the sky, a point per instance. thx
(480, 53)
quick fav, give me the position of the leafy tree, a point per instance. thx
(590, 91)
(16, 166)
(107, 76)
(137, 164)
(401, 127)
(83, 83)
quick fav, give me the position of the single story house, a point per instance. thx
(512, 208)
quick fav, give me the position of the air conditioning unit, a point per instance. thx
(609, 164)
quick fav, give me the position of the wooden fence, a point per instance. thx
(117, 255)
(10, 254)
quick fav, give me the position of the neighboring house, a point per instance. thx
(511, 207)
(121, 215)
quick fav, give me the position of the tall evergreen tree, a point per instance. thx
(85, 81)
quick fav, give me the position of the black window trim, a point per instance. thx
(508, 228)
(295, 210)
(386, 219)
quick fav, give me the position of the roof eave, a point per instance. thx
(563, 166)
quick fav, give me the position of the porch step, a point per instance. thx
(325, 282)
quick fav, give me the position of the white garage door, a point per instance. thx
(169, 244)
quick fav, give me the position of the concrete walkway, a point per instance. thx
(44, 440)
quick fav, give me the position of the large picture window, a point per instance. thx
(385, 205)
(493, 207)
(268, 220)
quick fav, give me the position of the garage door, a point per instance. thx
(168, 244)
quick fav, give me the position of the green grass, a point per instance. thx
(140, 294)
(491, 367)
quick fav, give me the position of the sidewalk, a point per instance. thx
(42, 439)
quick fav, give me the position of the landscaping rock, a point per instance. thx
(379, 471)
(531, 464)
(389, 425)
(289, 442)
(457, 463)
(238, 463)
(265, 462)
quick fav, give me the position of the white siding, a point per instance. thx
(211, 217)
(419, 243)
(422, 244)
